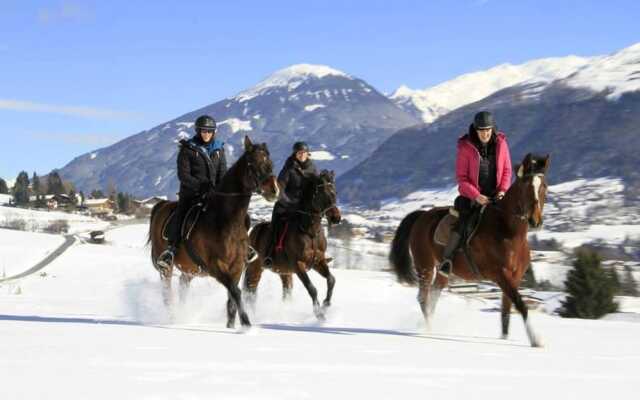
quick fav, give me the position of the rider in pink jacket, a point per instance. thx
(483, 172)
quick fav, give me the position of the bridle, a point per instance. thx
(253, 175)
(522, 213)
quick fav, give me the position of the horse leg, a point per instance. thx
(505, 315)
(287, 286)
(509, 288)
(165, 278)
(185, 284)
(232, 309)
(234, 302)
(251, 280)
(313, 292)
(323, 269)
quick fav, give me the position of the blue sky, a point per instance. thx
(79, 75)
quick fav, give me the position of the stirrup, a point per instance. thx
(165, 260)
(444, 268)
(252, 254)
(268, 262)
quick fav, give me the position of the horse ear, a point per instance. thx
(247, 144)
(520, 169)
(333, 174)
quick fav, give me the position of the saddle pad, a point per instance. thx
(443, 230)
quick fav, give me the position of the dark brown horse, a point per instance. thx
(499, 247)
(304, 243)
(219, 239)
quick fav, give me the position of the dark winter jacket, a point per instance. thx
(291, 179)
(201, 166)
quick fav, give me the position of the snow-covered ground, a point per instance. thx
(95, 327)
(40, 220)
(14, 256)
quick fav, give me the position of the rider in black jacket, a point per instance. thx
(201, 166)
(290, 180)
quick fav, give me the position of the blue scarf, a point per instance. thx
(210, 147)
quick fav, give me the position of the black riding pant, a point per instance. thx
(175, 225)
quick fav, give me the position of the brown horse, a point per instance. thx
(499, 248)
(219, 239)
(304, 243)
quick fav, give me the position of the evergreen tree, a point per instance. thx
(112, 193)
(82, 198)
(36, 188)
(4, 189)
(97, 194)
(590, 289)
(21, 189)
(72, 197)
(629, 285)
(614, 279)
(54, 184)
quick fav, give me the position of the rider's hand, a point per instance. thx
(500, 195)
(482, 200)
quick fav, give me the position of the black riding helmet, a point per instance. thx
(206, 122)
(300, 146)
(483, 120)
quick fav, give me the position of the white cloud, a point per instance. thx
(65, 11)
(76, 111)
(94, 139)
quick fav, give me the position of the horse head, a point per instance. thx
(532, 188)
(260, 169)
(326, 187)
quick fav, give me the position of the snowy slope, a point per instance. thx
(440, 99)
(618, 73)
(290, 77)
(97, 330)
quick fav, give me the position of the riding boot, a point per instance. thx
(452, 245)
(270, 253)
(165, 260)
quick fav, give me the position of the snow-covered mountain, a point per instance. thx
(433, 102)
(588, 121)
(342, 118)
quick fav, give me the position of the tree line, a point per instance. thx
(25, 188)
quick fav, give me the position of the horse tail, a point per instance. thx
(399, 256)
(154, 210)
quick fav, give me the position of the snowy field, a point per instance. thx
(39, 220)
(19, 251)
(95, 327)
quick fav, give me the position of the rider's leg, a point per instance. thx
(462, 206)
(174, 235)
(276, 223)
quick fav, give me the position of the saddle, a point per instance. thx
(450, 219)
(190, 221)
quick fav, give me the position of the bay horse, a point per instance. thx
(304, 243)
(499, 248)
(219, 239)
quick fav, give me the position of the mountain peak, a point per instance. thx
(290, 77)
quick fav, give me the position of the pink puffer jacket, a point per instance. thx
(468, 166)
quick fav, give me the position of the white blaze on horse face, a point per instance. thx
(537, 181)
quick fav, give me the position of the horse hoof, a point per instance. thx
(231, 325)
(504, 336)
(326, 304)
(244, 320)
